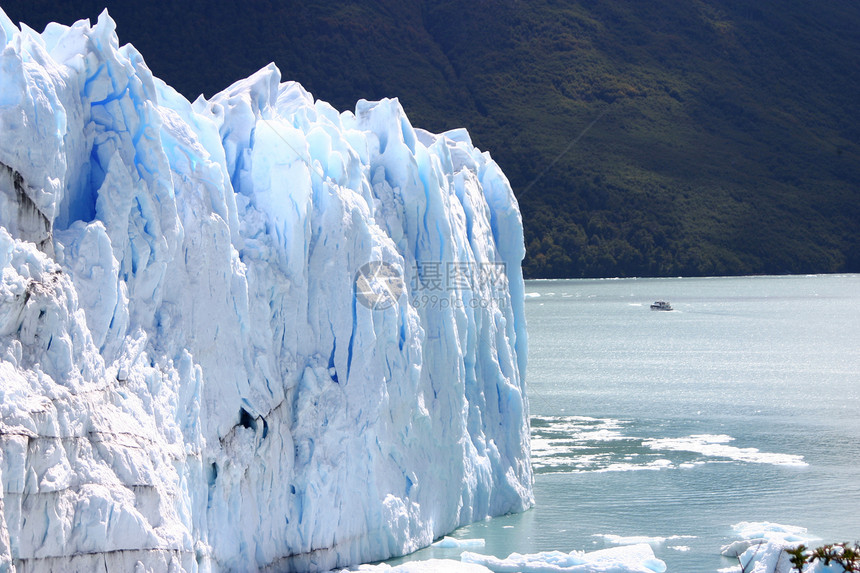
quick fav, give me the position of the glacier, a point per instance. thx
(198, 372)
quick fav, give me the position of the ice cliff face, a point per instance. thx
(249, 333)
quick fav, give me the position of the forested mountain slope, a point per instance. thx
(685, 137)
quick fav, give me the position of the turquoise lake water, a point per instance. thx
(742, 404)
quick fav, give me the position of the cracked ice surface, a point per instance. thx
(188, 379)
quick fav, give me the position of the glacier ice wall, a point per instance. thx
(193, 377)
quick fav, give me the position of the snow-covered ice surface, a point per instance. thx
(192, 378)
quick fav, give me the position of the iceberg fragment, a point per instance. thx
(428, 566)
(762, 548)
(454, 543)
(637, 558)
(192, 376)
(631, 559)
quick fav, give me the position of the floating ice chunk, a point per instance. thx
(628, 559)
(736, 548)
(453, 543)
(772, 531)
(427, 566)
(763, 544)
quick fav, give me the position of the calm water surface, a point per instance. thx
(743, 404)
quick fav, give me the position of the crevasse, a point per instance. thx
(192, 376)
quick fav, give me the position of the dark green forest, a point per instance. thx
(681, 137)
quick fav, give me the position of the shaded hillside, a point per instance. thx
(686, 137)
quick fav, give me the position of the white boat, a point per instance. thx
(661, 305)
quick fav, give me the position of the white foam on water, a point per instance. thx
(637, 539)
(715, 446)
(575, 444)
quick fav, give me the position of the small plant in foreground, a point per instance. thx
(842, 554)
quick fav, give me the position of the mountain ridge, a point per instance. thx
(691, 138)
